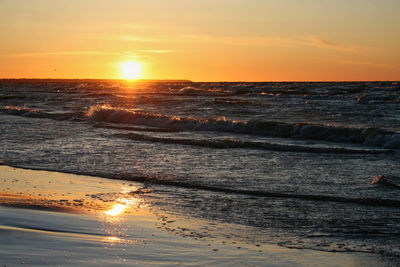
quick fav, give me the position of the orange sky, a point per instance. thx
(218, 40)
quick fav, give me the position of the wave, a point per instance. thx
(361, 201)
(231, 143)
(200, 91)
(35, 113)
(236, 101)
(366, 136)
(164, 123)
(167, 181)
(191, 91)
(133, 128)
(44, 230)
(286, 89)
(12, 97)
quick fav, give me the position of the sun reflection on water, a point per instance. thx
(127, 201)
(116, 210)
(113, 239)
(122, 203)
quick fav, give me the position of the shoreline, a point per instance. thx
(112, 216)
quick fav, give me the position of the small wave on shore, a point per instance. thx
(232, 143)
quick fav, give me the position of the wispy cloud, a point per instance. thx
(325, 43)
(311, 40)
(230, 40)
(207, 39)
(134, 53)
(60, 53)
(144, 39)
(366, 63)
(134, 26)
(158, 51)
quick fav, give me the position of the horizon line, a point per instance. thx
(186, 80)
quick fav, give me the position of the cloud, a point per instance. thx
(230, 40)
(61, 53)
(158, 51)
(255, 41)
(88, 53)
(135, 26)
(143, 39)
(208, 39)
(366, 63)
(311, 40)
(325, 43)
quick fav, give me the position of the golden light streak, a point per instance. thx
(122, 203)
(113, 239)
(116, 210)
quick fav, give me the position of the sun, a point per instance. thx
(131, 70)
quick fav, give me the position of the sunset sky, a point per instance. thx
(202, 40)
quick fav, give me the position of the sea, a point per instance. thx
(285, 163)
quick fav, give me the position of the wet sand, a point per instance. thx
(51, 219)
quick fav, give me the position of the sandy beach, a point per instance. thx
(57, 219)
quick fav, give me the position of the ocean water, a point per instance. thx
(290, 162)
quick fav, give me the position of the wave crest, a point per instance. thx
(367, 136)
(36, 113)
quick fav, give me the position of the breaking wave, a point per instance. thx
(164, 123)
(366, 136)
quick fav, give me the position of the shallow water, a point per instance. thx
(292, 161)
(62, 239)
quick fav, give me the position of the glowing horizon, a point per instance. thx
(275, 40)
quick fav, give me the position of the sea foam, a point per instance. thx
(367, 136)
